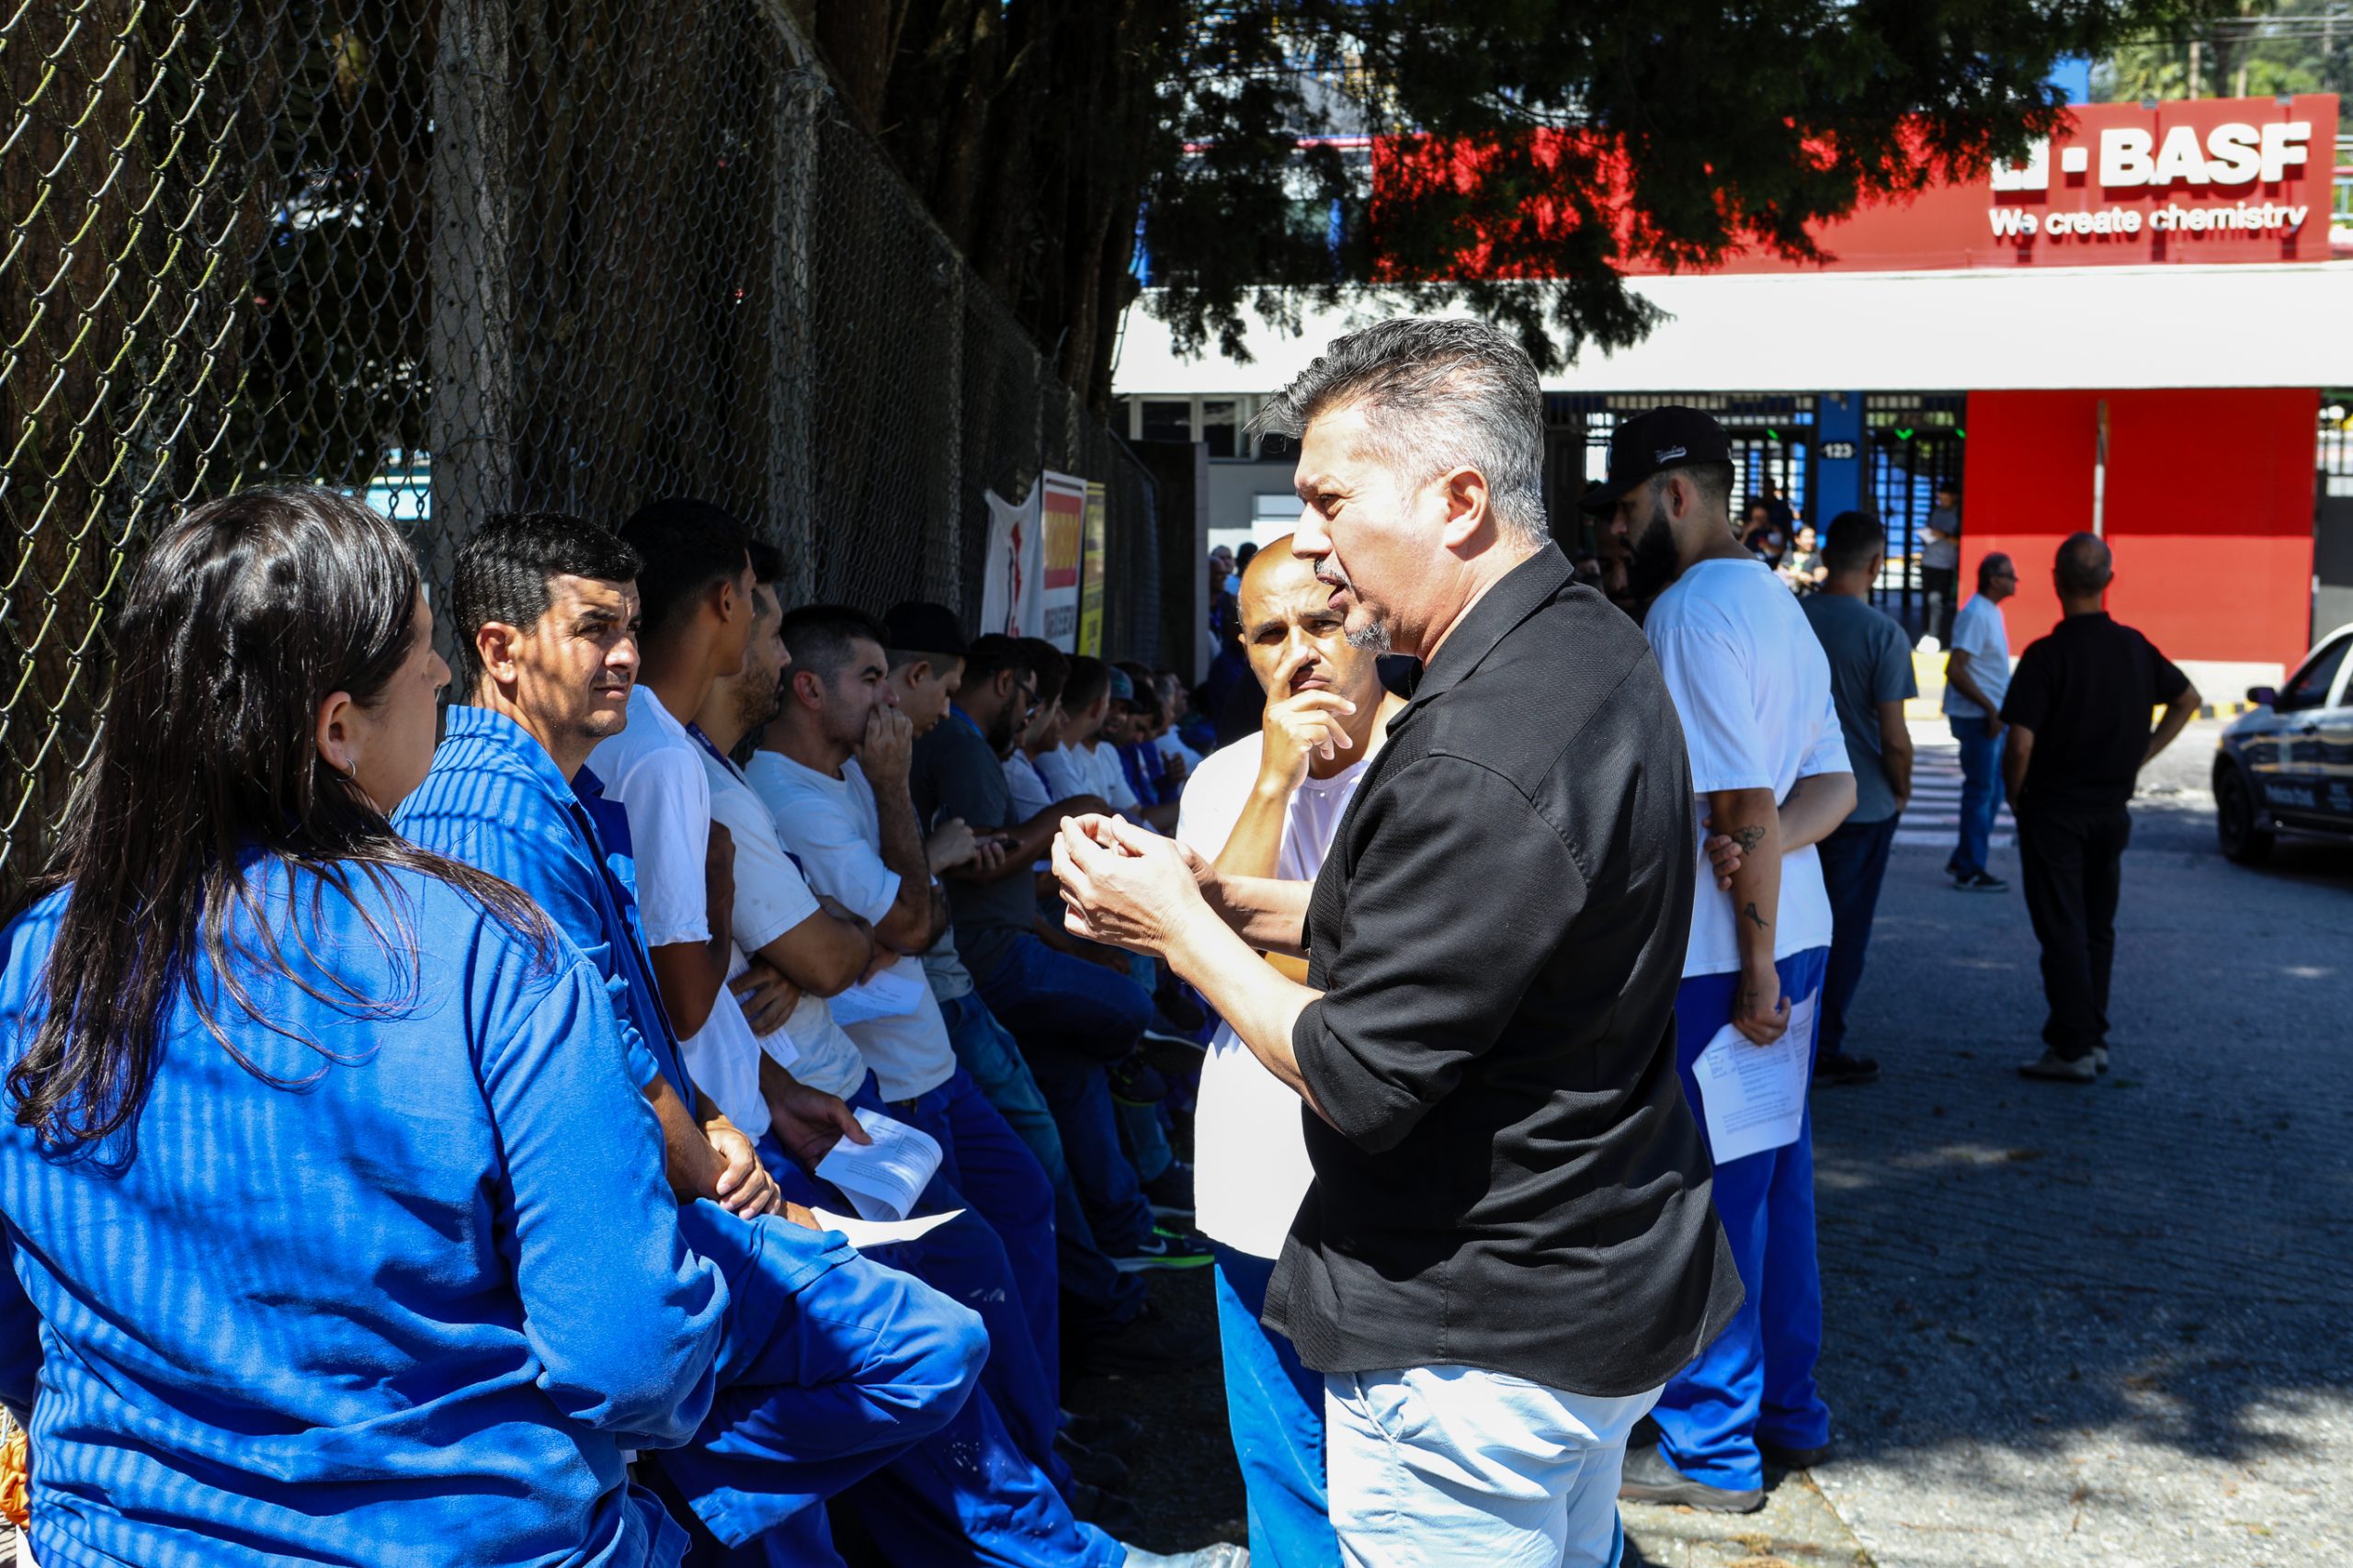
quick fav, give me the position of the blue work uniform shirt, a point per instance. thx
(381, 1280)
(496, 800)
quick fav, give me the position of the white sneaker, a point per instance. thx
(2099, 1058)
(2052, 1067)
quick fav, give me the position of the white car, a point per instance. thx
(2289, 765)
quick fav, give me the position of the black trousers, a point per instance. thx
(2072, 863)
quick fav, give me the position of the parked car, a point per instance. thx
(2288, 766)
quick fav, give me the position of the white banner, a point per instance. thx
(1012, 599)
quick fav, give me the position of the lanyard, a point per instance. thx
(729, 763)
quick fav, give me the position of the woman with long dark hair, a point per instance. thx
(337, 1227)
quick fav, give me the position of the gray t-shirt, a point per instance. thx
(957, 775)
(1870, 663)
(1946, 552)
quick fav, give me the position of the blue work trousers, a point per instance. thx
(1275, 1407)
(972, 1262)
(1757, 1377)
(1071, 1018)
(1096, 1298)
(1981, 795)
(830, 1365)
(982, 1158)
(1854, 864)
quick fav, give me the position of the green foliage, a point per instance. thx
(1740, 125)
(2254, 48)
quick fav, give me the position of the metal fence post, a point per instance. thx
(791, 377)
(470, 337)
(943, 555)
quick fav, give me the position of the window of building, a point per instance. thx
(1170, 420)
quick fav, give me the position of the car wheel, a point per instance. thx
(2244, 839)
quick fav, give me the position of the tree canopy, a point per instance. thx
(1603, 134)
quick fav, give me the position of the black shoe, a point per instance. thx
(1104, 1434)
(1112, 1516)
(1133, 1081)
(1145, 1344)
(1171, 1192)
(1838, 1068)
(1782, 1458)
(1981, 881)
(1648, 1478)
(1165, 1249)
(1105, 1472)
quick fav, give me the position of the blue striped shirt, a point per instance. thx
(400, 1292)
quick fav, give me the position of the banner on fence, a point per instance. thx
(1090, 575)
(1011, 601)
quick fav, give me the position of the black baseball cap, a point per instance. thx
(920, 627)
(1670, 436)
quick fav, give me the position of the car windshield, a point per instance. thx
(2316, 680)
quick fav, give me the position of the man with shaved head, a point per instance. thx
(2078, 711)
(1268, 806)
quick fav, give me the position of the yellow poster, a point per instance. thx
(1090, 575)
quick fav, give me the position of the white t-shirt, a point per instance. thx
(1752, 686)
(833, 825)
(771, 898)
(1092, 770)
(1032, 794)
(1250, 1167)
(654, 769)
(1980, 631)
(1174, 749)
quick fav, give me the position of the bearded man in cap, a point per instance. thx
(1769, 773)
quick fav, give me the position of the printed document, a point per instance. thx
(882, 1180)
(889, 994)
(864, 1234)
(1754, 1095)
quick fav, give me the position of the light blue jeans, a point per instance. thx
(1448, 1465)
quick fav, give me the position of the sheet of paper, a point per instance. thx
(890, 995)
(864, 1235)
(882, 1180)
(1754, 1096)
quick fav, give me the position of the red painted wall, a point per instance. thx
(2209, 510)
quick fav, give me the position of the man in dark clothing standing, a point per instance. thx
(1507, 1247)
(2078, 711)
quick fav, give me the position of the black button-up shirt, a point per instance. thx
(1511, 1179)
(2087, 691)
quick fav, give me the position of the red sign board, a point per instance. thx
(2210, 180)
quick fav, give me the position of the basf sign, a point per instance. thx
(2241, 179)
(2207, 180)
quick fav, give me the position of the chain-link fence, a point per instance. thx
(467, 254)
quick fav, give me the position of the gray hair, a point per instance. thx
(1437, 393)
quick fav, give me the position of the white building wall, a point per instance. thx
(2251, 326)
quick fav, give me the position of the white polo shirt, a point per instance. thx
(654, 769)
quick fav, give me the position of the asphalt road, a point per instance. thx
(2066, 1325)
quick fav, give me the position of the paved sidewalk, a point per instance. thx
(2104, 1325)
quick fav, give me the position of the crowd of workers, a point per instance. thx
(697, 1099)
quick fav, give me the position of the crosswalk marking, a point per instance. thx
(1933, 819)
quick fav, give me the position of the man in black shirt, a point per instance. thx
(2078, 711)
(1508, 1247)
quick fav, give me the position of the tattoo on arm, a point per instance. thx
(1748, 838)
(1793, 792)
(1750, 910)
